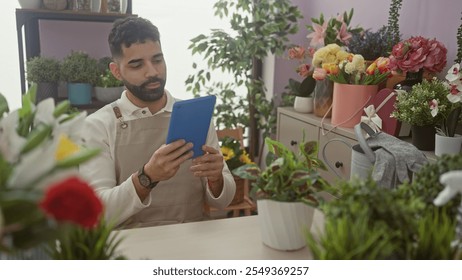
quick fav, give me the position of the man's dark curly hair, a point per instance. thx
(130, 30)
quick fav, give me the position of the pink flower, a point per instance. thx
(304, 70)
(297, 52)
(343, 35)
(317, 37)
(319, 74)
(418, 53)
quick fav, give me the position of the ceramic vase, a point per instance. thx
(283, 224)
(447, 145)
(323, 95)
(349, 102)
(303, 104)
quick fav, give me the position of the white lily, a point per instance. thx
(10, 141)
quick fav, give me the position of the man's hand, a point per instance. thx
(210, 165)
(166, 161)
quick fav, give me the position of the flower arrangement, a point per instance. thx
(233, 154)
(418, 106)
(335, 30)
(346, 68)
(417, 53)
(41, 193)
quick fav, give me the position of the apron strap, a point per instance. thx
(118, 115)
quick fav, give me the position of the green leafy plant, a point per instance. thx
(107, 80)
(288, 177)
(76, 243)
(258, 28)
(79, 67)
(370, 44)
(415, 107)
(43, 69)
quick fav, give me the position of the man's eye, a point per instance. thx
(137, 65)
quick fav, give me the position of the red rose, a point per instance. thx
(72, 200)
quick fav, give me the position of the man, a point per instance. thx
(143, 181)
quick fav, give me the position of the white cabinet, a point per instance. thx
(290, 128)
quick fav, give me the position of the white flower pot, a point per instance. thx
(108, 95)
(447, 145)
(303, 104)
(283, 225)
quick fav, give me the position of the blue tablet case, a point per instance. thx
(190, 121)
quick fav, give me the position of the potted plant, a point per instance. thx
(45, 72)
(108, 88)
(415, 108)
(369, 222)
(287, 187)
(80, 71)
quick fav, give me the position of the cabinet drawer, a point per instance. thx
(337, 154)
(290, 132)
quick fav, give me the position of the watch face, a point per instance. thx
(144, 180)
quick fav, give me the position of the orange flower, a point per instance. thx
(331, 68)
(297, 52)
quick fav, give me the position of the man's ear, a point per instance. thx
(115, 70)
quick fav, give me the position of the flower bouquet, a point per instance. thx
(415, 58)
(42, 197)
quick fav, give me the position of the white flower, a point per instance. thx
(10, 141)
(454, 75)
(434, 107)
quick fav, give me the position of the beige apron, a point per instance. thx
(177, 200)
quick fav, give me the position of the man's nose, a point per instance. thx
(151, 70)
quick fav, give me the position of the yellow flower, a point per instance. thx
(244, 158)
(227, 153)
(65, 148)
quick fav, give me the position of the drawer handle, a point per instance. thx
(293, 142)
(338, 164)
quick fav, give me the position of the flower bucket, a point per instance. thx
(447, 145)
(349, 102)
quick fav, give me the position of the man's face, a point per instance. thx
(143, 71)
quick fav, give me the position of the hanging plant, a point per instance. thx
(393, 23)
(459, 44)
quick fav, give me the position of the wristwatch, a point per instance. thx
(145, 181)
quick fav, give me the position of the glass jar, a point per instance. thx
(82, 5)
(114, 6)
(323, 97)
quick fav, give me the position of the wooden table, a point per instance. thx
(223, 239)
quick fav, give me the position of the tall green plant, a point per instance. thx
(393, 23)
(459, 43)
(259, 28)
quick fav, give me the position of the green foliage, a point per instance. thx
(288, 177)
(79, 67)
(459, 44)
(370, 44)
(43, 69)
(106, 80)
(258, 28)
(426, 185)
(302, 89)
(345, 238)
(393, 24)
(77, 243)
(414, 107)
(369, 222)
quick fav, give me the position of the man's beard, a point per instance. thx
(144, 94)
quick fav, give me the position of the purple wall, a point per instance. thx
(58, 38)
(429, 18)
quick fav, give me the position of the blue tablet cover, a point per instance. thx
(190, 121)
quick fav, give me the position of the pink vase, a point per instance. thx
(349, 102)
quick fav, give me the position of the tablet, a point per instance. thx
(190, 121)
